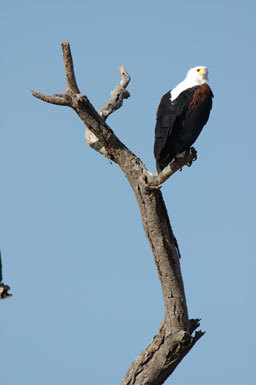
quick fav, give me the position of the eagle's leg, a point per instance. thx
(191, 150)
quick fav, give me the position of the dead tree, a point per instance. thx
(176, 333)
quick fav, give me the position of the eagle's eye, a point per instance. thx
(198, 69)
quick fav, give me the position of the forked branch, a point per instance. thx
(175, 337)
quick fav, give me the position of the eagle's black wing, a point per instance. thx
(165, 118)
(167, 114)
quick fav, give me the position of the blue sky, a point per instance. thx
(87, 299)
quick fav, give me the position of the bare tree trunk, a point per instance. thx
(175, 337)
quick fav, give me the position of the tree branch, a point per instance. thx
(117, 96)
(182, 159)
(70, 78)
(98, 133)
(174, 339)
(3, 288)
(61, 100)
(115, 102)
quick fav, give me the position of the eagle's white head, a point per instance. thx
(198, 75)
(195, 77)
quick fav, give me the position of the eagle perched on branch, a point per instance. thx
(181, 116)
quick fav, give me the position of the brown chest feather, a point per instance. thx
(200, 96)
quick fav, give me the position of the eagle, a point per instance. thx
(181, 116)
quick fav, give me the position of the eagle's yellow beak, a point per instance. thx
(204, 72)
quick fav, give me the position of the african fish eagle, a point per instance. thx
(181, 115)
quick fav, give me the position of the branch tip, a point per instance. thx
(59, 99)
(117, 95)
(198, 335)
(194, 323)
(3, 288)
(71, 84)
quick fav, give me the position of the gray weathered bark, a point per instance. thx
(175, 337)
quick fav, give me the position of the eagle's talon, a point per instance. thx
(194, 153)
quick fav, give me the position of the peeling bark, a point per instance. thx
(175, 337)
